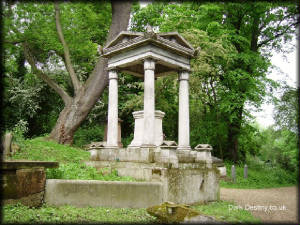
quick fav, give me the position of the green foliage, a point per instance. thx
(87, 134)
(40, 149)
(260, 175)
(281, 148)
(85, 26)
(287, 109)
(76, 171)
(230, 70)
(69, 214)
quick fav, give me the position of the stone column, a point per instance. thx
(184, 112)
(112, 120)
(149, 103)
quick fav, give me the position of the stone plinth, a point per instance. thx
(203, 152)
(139, 128)
(187, 183)
(183, 178)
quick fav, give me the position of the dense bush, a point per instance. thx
(85, 135)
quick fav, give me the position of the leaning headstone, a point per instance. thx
(245, 171)
(233, 173)
(6, 142)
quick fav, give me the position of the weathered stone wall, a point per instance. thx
(189, 183)
(118, 194)
(24, 185)
(24, 181)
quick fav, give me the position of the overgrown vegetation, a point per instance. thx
(69, 214)
(69, 158)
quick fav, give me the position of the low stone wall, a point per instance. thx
(117, 194)
(190, 183)
(24, 181)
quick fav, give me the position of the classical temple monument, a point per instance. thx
(186, 175)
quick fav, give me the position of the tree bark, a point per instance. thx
(234, 131)
(75, 112)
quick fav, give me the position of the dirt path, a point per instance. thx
(270, 205)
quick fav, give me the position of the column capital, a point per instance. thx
(112, 74)
(149, 64)
(183, 75)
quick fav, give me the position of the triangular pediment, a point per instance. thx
(177, 38)
(123, 36)
(129, 40)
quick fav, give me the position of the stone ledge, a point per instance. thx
(24, 164)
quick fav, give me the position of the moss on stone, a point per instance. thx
(169, 212)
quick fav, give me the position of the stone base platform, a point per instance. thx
(190, 177)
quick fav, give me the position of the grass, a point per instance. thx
(222, 211)
(259, 176)
(44, 150)
(69, 158)
(68, 214)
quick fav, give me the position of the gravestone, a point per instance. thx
(7, 143)
(245, 171)
(233, 173)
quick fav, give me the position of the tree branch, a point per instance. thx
(31, 60)
(277, 35)
(67, 58)
(98, 79)
(13, 42)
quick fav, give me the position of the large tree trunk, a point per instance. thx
(75, 112)
(234, 131)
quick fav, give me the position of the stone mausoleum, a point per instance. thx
(187, 175)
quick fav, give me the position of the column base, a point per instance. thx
(184, 148)
(184, 155)
(148, 146)
(113, 146)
